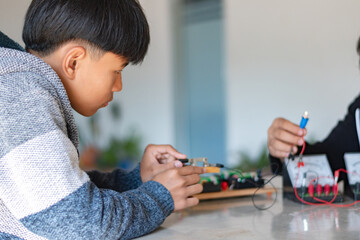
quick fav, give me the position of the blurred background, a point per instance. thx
(218, 72)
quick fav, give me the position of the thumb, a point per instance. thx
(170, 165)
(178, 164)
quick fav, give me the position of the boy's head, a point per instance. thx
(88, 43)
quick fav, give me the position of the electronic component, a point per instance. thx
(327, 189)
(309, 180)
(352, 163)
(211, 183)
(228, 180)
(231, 180)
(240, 180)
(210, 168)
(314, 190)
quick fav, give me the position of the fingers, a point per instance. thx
(191, 179)
(192, 201)
(288, 137)
(165, 151)
(289, 127)
(194, 189)
(279, 148)
(186, 203)
(182, 183)
(168, 165)
(281, 154)
(282, 147)
(164, 157)
(189, 170)
(183, 171)
(188, 200)
(178, 164)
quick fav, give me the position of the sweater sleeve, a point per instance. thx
(342, 139)
(44, 188)
(118, 180)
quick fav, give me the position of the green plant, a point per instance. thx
(120, 153)
(248, 163)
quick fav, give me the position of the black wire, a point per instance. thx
(259, 186)
(272, 204)
(269, 182)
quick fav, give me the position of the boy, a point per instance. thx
(76, 50)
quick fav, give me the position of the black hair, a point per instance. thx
(117, 26)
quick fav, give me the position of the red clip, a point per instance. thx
(300, 164)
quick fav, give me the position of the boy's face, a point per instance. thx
(95, 82)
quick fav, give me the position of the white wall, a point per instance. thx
(284, 57)
(12, 15)
(147, 97)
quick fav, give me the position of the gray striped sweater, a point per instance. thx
(43, 192)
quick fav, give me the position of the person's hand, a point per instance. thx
(182, 184)
(284, 137)
(159, 158)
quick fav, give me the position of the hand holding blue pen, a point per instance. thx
(284, 136)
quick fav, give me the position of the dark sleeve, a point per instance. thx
(6, 42)
(342, 139)
(117, 180)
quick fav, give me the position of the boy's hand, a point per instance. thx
(159, 158)
(284, 137)
(182, 184)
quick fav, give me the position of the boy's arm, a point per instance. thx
(156, 159)
(44, 188)
(118, 180)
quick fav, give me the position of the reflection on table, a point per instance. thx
(237, 218)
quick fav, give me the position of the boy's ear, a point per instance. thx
(72, 61)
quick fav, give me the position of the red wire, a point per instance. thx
(303, 147)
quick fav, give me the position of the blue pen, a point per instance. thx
(304, 120)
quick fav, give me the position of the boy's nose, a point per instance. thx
(118, 84)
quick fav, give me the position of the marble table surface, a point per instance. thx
(237, 218)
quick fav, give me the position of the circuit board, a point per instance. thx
(232, 183)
